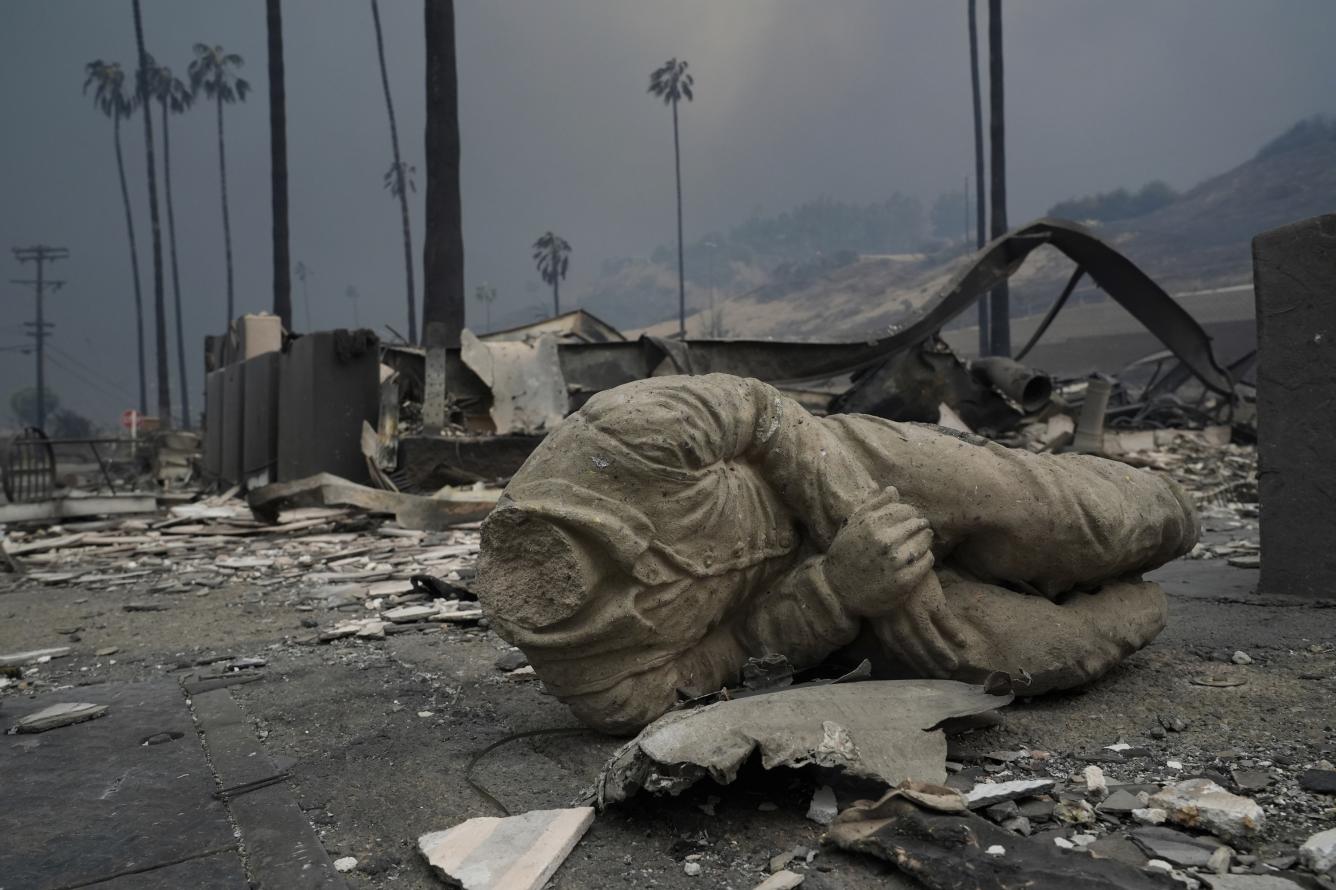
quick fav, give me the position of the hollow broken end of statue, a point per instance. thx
(674, 527)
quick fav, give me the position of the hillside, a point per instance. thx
(1198, 242)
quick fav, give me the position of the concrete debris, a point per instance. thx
(514, 853)
(951, 850)
(58, 715)
(1202, 804)
(841, 725)
(691, 869)
(345, 864)
(824, 808)
(988, 793)
(33, 656)
(1318, 853)
(1241, 657)
(781, 880)
(1176, 846)
(525, 379)
(443, 510)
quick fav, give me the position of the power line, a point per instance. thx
(40, 255)
(93, 371)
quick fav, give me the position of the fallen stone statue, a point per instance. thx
(675, 526)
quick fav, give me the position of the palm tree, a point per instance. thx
(175, 98)
(278, 162)
(980, 212)
(1000, 332)
(351, 293)
(397, 178)
(113, 100)
(159, 299)
(443, 246)
(671, 83)
(486, 294)
(215, 72)
(552, 254)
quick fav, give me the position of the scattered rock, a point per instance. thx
(1173, 722)
(1150, 816)
(1177, 847)
(1220, 859)
(57, 715)
(988, 793)
(515, 853)
(511, 660)
(1251, 779)
(1096, 787)
(1120, 802)
(1320, 781)
(692, 869)
(346, 864)
(824, 807)
(107, 650)
(1318, 853)
(780, 880)
(1001, 812)
(1241, 657)
(1037, 809)
(1119, 849)
(1202, 804)
(1074, 812)
(1019, 825)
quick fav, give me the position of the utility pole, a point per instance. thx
(40, 254)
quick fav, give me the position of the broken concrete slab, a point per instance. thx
(58, 715)
(441, 511)
(33, 656)
(843, 725)
(78, 506)
(513, 853)
(1202, 804)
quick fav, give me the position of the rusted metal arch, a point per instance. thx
(1117, 275)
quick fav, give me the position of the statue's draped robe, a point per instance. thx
(687, 521)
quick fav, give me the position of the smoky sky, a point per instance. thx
(849, 99)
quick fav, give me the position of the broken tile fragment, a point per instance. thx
(1202, 804)
(57, 715)
(513, 853)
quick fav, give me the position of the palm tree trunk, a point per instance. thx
(278, 163)
(159, 297)
(134, 265)
(227, 224)
(398, 167)
(980, 205)
(681, 266)
(556, 295)
(443, 252)
(176, 277)
(1000, 334)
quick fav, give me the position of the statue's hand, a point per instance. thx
(880, 564)
(881, 554)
